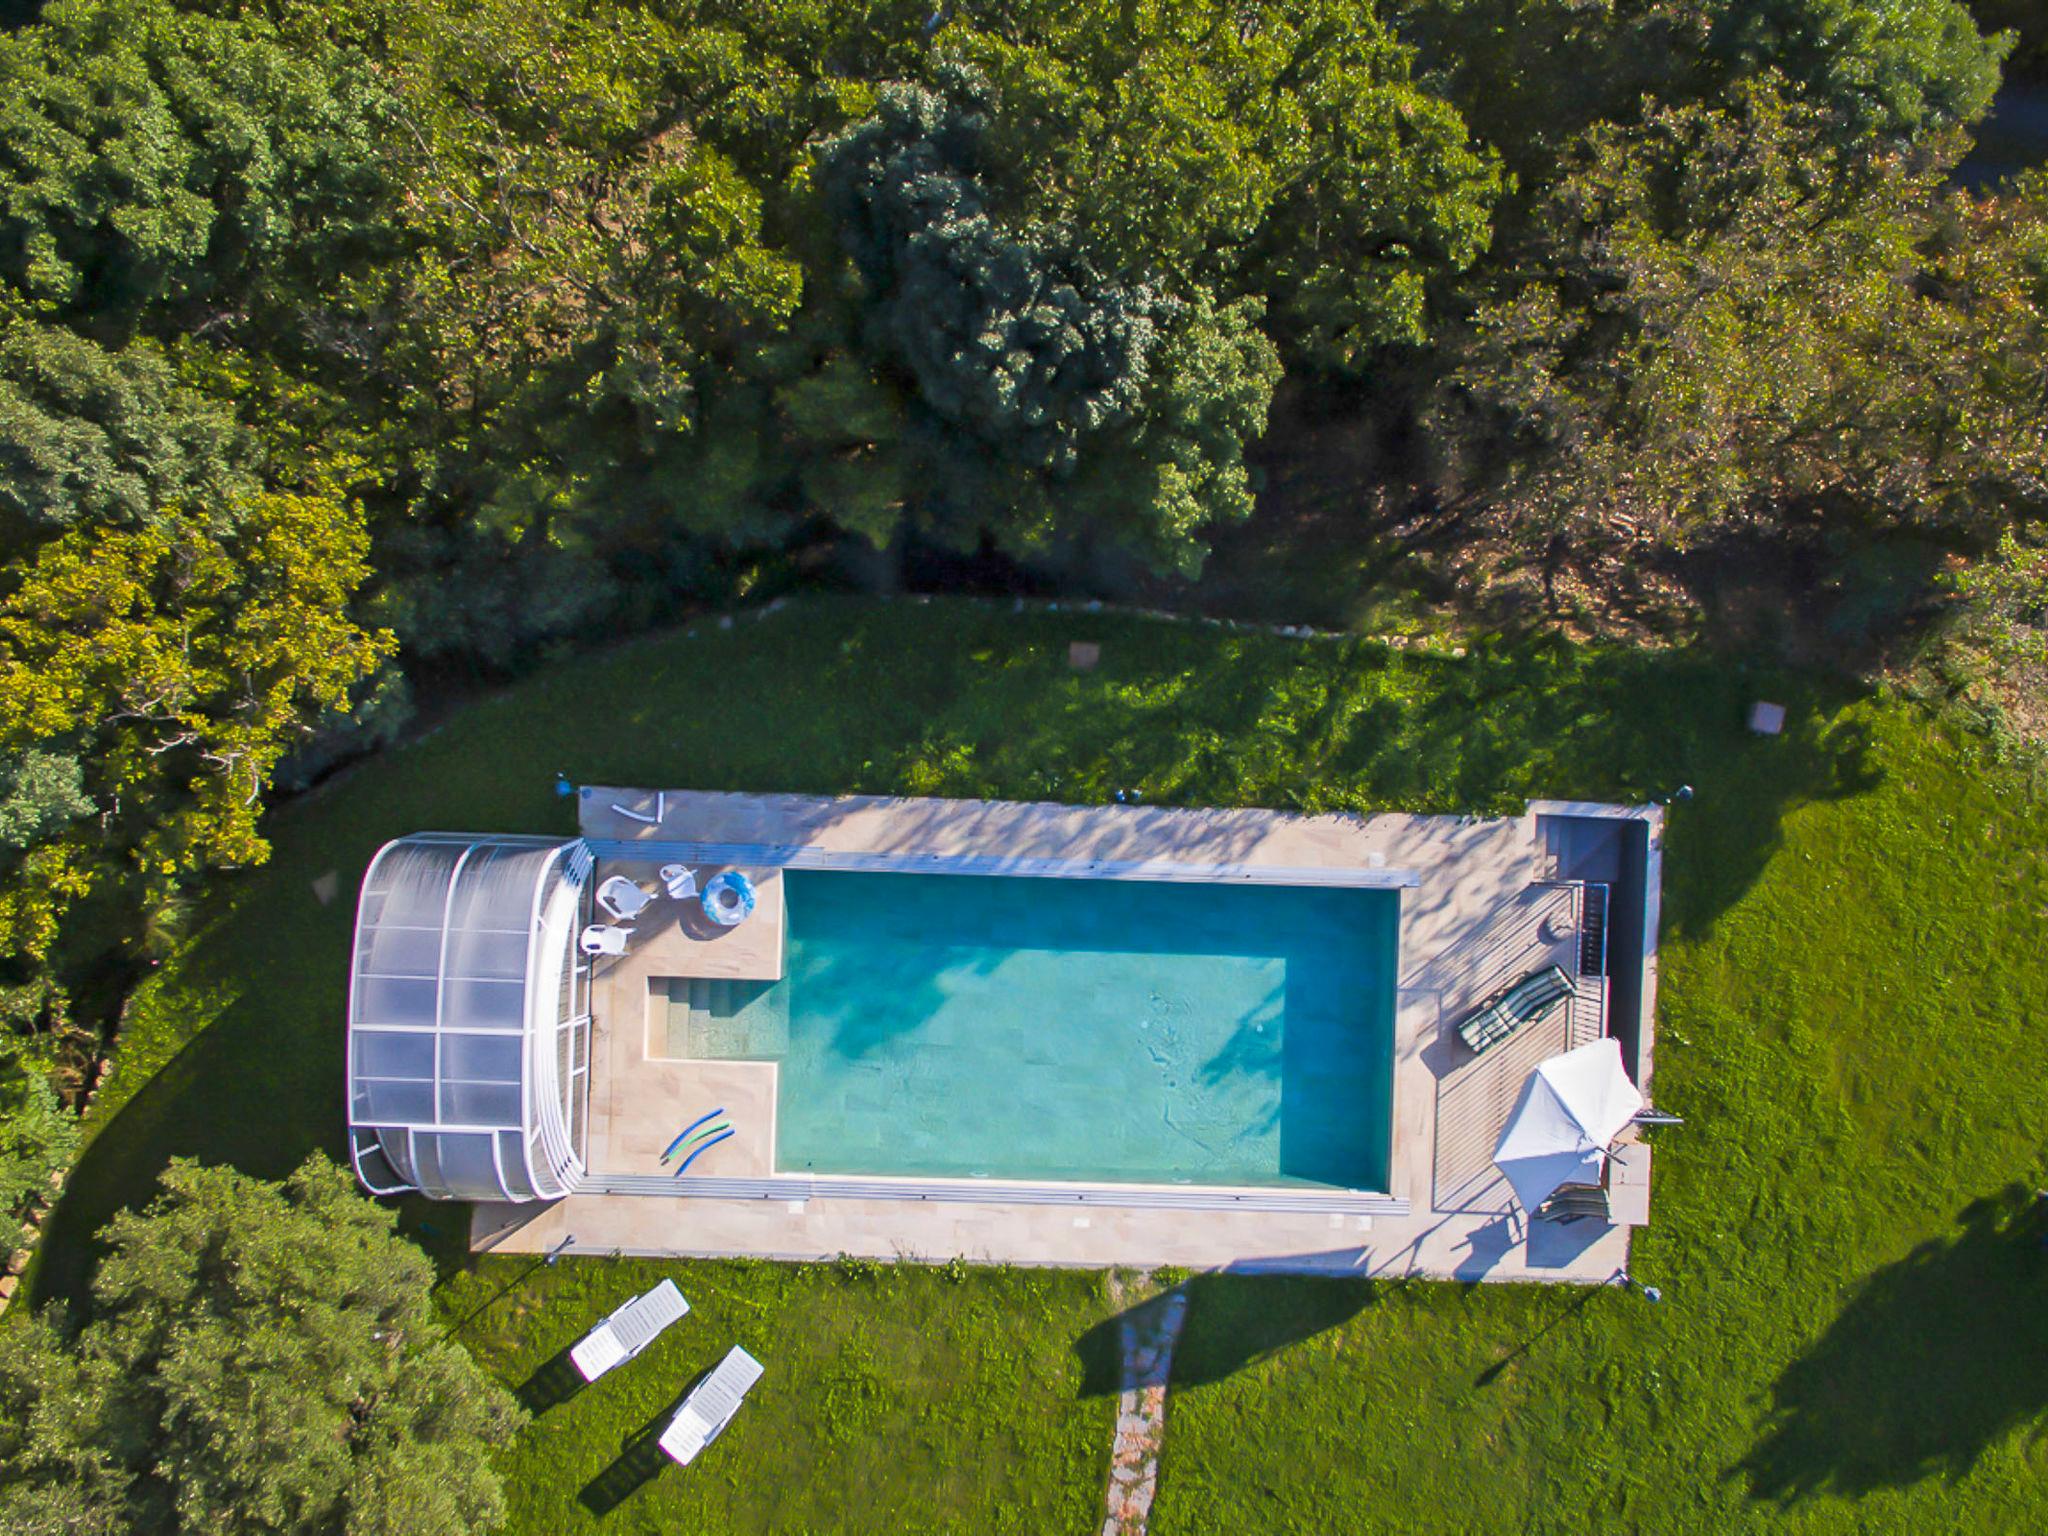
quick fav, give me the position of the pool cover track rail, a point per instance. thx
(1345, 1202)
(807, 856)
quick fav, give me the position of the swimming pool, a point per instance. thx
(964, 1026)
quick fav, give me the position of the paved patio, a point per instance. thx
(1475, 914)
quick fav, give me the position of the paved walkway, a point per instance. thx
(1148, 1334)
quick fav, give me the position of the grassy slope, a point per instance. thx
(1848, 982)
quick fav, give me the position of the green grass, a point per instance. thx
(1852, 1331)
(1853, 975)
(916, 1398)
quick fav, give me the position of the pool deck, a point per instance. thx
(1477, 911)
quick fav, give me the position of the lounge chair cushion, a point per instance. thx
(597, 1352)
(1500, 1016)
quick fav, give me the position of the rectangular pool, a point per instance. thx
(964, 1026)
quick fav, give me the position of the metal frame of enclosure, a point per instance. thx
(469, 1019)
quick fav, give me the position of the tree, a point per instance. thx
(1045, 400)
(1879, 72)
(94, 434)
(1278, 150)
(44, 792)
(154, 162)
(2028, 23)
(178, 661)
(1896, 69)
(38, 1135)
(257, 1357)
(1730, 318)
(577, 260)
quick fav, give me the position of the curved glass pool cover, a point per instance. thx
(469, 1019)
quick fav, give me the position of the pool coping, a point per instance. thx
(1462, 883)
(1166, 871)
(1132, 1196)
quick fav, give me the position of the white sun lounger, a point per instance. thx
(628, 1331)
(710, 1406)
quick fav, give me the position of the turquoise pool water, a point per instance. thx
(960, 1026)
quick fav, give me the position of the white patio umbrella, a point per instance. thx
(1571, 1107)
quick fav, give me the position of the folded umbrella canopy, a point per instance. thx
(1571, 1107)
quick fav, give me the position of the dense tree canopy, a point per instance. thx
(180, 659)
(155, 163)
(1735, 319)
(96, 434)
(1032, 376)
(256, 1358)
(1284, 149)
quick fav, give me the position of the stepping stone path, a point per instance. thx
(1147, 1335)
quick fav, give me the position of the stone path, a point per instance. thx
(1147, 1335)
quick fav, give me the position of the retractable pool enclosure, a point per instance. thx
(469, 1019)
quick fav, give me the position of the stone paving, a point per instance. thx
(1148, 1334)
(1483, 909)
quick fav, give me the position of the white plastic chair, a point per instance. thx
(710, 1406)
(603, 939)
(680, 880)
(628, 1330)
(622, 898)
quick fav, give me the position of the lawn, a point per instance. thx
(1851, 1333)
(897, 1398)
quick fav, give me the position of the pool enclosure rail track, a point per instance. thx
(1346, 1202)
(806, 856)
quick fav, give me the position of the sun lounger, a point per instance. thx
(629, 1330)
(622, 898)
(1526, 1001)
(710, 1406)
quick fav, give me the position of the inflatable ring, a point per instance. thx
(728, 898)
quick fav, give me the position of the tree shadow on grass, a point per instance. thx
(1935, 1359)
(258, 1087)
(1233, 1321)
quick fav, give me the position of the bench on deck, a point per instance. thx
(1501, 1015)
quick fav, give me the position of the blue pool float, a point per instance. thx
(670, 1151)
(701, 1150)
(728, 898)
